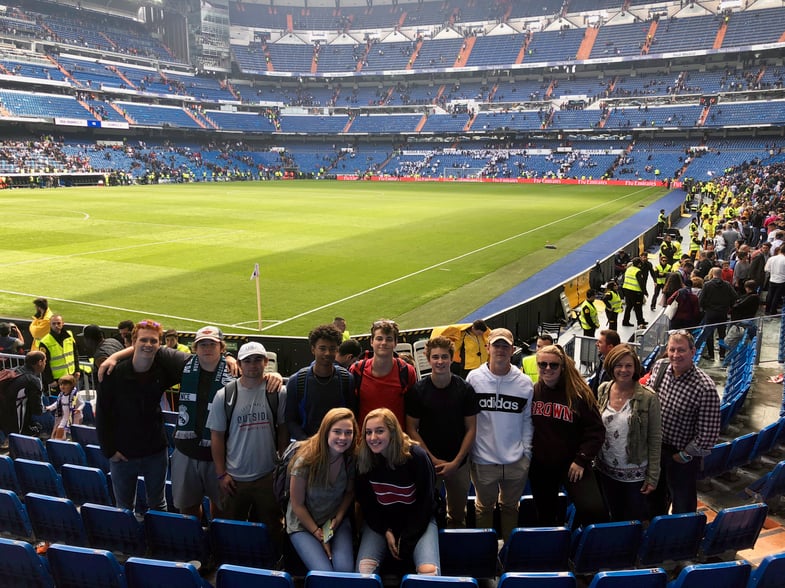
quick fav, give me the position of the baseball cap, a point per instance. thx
(170, 333)
(211, 333)
(498, 334)
(249, 349)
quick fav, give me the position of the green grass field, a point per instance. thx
(423, 254)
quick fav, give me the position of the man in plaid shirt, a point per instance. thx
(690, 424)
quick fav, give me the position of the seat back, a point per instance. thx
(8, 477)
(769, 573)
(468, 552)
(175, 537)
(231, 576)
(734, 528)
(316, 579)
(421, 364)
(726, 574)
(606, 546)
(96, 458)
(21, 566)
(419, 581)
(741, 451)
(55, 519)
(62, 452)
(765, 441)
(83, 484)
(537, 549)
(113, 528)
(39, 477)
(771, 486)
(81, 567)
(714, 464)
(13, 516)
(672, 538)
(141, 572)
(26, 447)
(648, 578)
(242, 543)
(537, 580)
(84, 435)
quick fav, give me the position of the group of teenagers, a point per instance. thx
(375, 444)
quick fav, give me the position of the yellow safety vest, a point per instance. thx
(615, 302)
(530, 367)
(62, 359)
(631, 280)
(585, 324)
(662, 272)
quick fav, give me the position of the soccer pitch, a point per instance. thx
(421, 253)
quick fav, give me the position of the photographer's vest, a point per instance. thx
(62, 359)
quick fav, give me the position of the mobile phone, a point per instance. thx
(327, 531)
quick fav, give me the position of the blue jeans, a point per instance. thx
(311, 551)
(374, 547)
(152, 468)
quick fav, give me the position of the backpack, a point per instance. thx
(403, 374)
(230, 393)
(281, 475)
(302, 389)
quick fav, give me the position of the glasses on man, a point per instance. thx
(553, 365)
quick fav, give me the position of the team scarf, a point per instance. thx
(187, 425)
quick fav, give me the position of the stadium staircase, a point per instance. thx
(704, 115)
(466, 50)
(195, 117)
(649, 37)
(121, 112)
(122, 76)
(421, 124)
(589, 36)
(88, 108)
(721, 34)
(63, 70)
(108, 40)
(469, 123)
(415, 53)
(360, 62)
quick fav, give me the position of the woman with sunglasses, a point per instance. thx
(568, 433)
(628, 465)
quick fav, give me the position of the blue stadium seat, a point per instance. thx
(733, 529)
(419, 581)
(113, 528)
(26, 447)
(714, 464)
(741, 451)
(242, 543)
(62, 452)
(84, 435)
(55, 520)
(606, 546)
(770, 572)
(82, 567)
(22, 567)
(96, 458)
(647, 578)
(770, 486)
(316, 579)
(231, 576)
(765, 441)
(83, 484)
(8, 477)
(468, 552)
(537, 580)
(536, 549)
(727, 574)
(141, 572)
(13, 516)
(673, 537)
(39, 476)
(175, 537)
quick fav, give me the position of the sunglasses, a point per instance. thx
(554, 365)
(153, 324)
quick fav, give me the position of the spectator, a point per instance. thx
(10, 339)
(568, 434)
(98, 347)
(690, 424)
(395, 490)
(39, 327)
(247, 433)
(66, 407)
(321, 493)
(172, 341)
(314, 390)
(607, 340)
(348, 352)
(688, 314)
(124, 329)
(441, 415)
(628, 464)
(471, 348)
(716, 299)
(21, 399)
(776, 269)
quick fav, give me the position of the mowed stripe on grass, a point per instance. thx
(423, 253)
